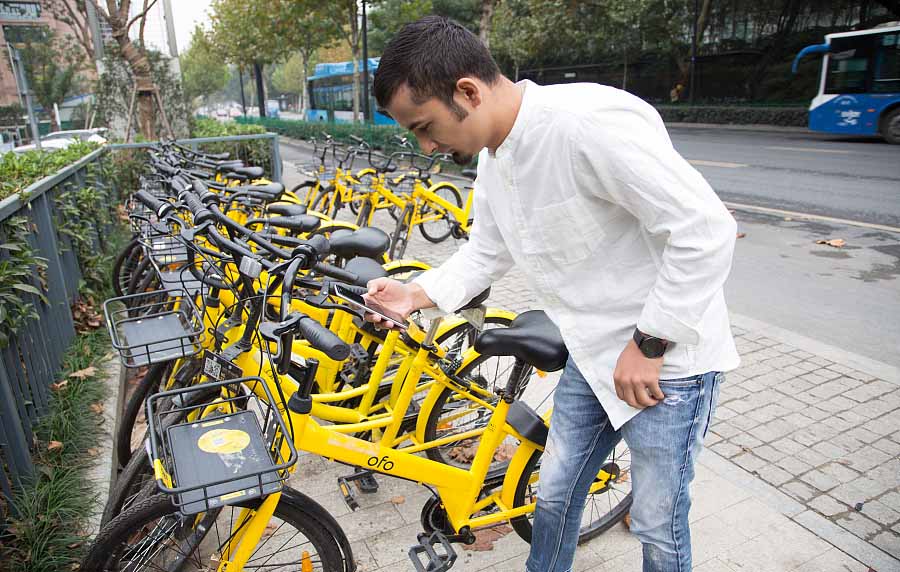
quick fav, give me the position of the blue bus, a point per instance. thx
(330, 91)
(859, 88)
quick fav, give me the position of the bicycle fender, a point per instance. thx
(514, 472)
(291, 495)
(425, 409)
(367, 171)
(455, 321)
(409, 265)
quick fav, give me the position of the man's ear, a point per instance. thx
(470, 90)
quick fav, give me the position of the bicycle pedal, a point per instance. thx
(365, 481)
(347, 492)
(433, 553)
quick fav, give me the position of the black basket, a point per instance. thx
(154, 327)
(236, 449)
(165, 249)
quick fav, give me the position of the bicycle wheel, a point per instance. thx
(453, 414)
(458, 339)
(153, 535)
(438, 230)
(124, 266)
(400, 236)
(150, 382)
(322, 203)
(602, 508)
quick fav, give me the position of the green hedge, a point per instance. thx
(376, 135)
(19, 170)
(735, 115)
(256, 152)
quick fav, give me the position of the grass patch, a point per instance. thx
(45, 531)
(47, 518)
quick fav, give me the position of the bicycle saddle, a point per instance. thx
(469, 173)
(225, 166)
(531, 337)
(366, 268)
(287, 209)
(248, 172)
(367, 241)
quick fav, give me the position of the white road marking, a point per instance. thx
(808, 216)
(704, 163)
(815, 150)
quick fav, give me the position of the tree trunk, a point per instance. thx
(305, 59)
(143, 83)
(354, 53)
(487, 16)
(260, 89)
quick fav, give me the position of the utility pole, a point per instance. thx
(694, 51)
(22, 78)
(365, 54)
(96, 35)
(260, 89)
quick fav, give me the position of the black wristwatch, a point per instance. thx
(651, 347)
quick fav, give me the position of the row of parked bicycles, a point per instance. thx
(236, 313)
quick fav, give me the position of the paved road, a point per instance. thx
(848, 297)
(812, 173)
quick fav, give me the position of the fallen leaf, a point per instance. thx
(398, 499)
(97, 408)
(59, 386)
(93, 451)
(627, 521)
(835, 242)
(73, 545)
(83, 373)
(485, 538)
(54, 446)
(741, 234)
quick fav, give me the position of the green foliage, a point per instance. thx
(386, 17)
(203, 70)
(51, 64)
(736, 115)
(290, 77)
(52, 508)
(376, 135)
(18, 171)
(255, 152)
(22, 277)
(82, 214)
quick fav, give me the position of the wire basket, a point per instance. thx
(232, 449)
(165, 249)
(153, 327)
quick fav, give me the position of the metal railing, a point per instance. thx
(33, 357)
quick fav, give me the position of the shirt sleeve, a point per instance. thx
(482, 260)
(627, 159)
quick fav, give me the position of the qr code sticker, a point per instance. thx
(212, 368)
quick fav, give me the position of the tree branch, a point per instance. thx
(141, 16)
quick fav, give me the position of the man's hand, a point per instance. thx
(637, 377)
(404, 299)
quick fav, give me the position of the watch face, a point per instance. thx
(653, 347)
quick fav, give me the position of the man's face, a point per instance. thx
(437, 127)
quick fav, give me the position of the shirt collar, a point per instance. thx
(515, 134)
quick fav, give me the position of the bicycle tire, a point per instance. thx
(143, 268)
(445, 453)
(132, 409)
(106, 551)
(124, 266)
(432, 234)
(400, 236)
(322, 203)
(595, 527)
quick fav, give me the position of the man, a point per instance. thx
(627, 248)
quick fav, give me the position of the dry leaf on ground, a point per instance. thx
(54, 446)
(97, 408)
(59, 386)
(83, 373)
(741, 234)
(485, 538)
(398, 499)
(835, 242)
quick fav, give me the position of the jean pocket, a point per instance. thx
(692, 381)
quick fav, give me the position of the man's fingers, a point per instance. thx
(376, 285)
(628, 396)
(655, 391)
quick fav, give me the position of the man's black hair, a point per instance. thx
(430, 55)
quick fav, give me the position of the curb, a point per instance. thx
(867, 365)
(103, 473)
(739, 127)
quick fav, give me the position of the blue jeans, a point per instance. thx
(664, 441)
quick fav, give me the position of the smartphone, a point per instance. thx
(357, 301)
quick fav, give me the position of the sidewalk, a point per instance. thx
(801, 470)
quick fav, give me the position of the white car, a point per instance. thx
(62, 139)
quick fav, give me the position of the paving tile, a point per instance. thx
(889, 542)
(859, 524)
(833, 560)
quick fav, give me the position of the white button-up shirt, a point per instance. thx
(612, 228)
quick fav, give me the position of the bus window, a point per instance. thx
(846, 73)
(887, 65)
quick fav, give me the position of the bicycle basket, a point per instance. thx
(232, 449)
(153, 327)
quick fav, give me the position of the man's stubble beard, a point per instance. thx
(461, 159)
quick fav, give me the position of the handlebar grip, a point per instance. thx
(323, 339)
(337, 273)
(161, 208)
